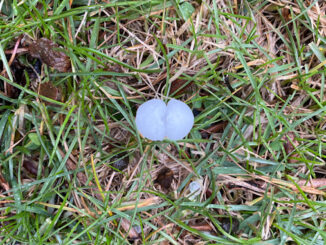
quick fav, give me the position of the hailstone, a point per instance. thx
(155, 120)
(150, 119)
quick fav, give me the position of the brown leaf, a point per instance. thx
(17, 70)
(286, 14)
(49, 91)
(290, 144)
(165, 178)
(214, 128)
(11, 91)
(30, 166)
(47, 51)
(179, 86)
(218, 127)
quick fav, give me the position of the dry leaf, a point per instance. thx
(17, 70)
(50, 91)
(290, 144)
(30, 166)
(214, 128)
(179, 86)
(165, 178)
(48, 52)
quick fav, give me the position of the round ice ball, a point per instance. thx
(150, 119)
(155, 120)
(179, 120)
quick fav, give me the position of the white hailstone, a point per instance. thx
(179, 120)
(155, 120)
(137, 229)
(150, 119)
(195, 188)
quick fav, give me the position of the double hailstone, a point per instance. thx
(155, 120)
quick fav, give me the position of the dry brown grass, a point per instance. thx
(253, 70)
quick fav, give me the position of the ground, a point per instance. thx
(74, 168)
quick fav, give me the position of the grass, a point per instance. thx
(253, 72)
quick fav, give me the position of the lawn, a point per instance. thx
(75, 170)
